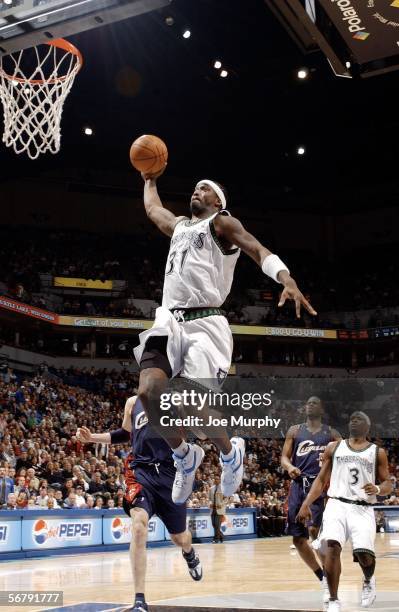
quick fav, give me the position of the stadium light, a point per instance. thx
(186, 34)
(303, 73)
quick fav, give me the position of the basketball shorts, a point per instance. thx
(343, 522)
(195, 349)
(150, 488)
(297, 494)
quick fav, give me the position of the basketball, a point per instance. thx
(148, 154)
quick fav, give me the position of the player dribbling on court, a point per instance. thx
(190, 337)
(352, 467)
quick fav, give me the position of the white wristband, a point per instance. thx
(272, 265)
(378, 490)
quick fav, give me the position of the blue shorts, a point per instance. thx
(153, 492)
(298, 491)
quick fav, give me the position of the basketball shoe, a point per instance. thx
(185, 473)
(326, 593)
(334, 605)
(233, 469)
(193, 564)
(368, 592)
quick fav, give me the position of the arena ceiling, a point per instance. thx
(142, 76)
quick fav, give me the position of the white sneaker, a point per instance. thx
(185, 473)
(368, 593)
(326, 592)
(334, 605)
(232, 471)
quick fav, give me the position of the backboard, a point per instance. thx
(26, 23)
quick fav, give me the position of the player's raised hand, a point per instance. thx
(294, 472)
(292, 292)
(84, 435)
(148, 175)
(370, 488)
(304, 514)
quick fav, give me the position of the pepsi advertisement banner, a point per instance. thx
(118, 530)
(63, 532)
(10, 534)
(238, 524)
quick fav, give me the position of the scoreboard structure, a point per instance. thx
(358, 37)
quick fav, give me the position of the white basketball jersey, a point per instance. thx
(199, 271)
(351, 470)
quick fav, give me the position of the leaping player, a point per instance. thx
(190, 336)
(149, 474)
(301, 456)
(352, 467)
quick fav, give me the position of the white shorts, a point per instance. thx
(343, 522)
(198, 349)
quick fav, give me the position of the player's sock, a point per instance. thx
(190, 555)
(140, 603)
(181, 451)
(319, 573)
(229, 455)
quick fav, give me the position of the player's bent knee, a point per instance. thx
(299, 541)
(365, 559)
(334, 547)
(179, 538)
(151, 384)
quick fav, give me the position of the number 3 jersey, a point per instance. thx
(199, 271)
(351, 470)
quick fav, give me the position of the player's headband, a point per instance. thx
(217, 190)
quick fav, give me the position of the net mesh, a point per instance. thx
(33, 86)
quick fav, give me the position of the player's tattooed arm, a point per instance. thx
(385, 487)
(335, 434)
(286, 453)
(163, 218)
(319, 484)
(231, 231)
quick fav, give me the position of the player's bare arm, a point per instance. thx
(286, 453)
(84, 434)
(319, 484)
(385, 487)
(163, 218)
(232, 232)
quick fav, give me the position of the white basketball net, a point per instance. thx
(33, 96)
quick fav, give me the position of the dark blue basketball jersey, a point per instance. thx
(147, 446)
(308, 449)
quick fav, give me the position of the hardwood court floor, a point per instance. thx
(259, 573)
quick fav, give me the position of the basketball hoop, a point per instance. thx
(33, 86)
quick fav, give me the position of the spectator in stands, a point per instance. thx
(97, 485)
(41, 499)
(11, 502)
(71, 501)
(6, 486)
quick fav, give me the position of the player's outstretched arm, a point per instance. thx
(319, 484)
(385, 487)
(232, 230)
(110, 437)
(164, 219)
